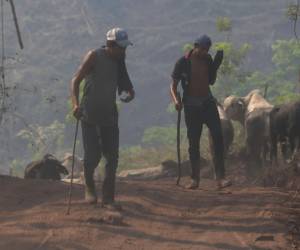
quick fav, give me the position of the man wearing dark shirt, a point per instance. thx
(105, 73)
(197, 71)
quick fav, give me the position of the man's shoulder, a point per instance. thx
(182, 60)
(95, 55)
(180, 68)
(91, 54)
(95, 52)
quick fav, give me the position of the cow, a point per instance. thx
(78, 174)
(253, 112)
(227, 129)
(78, 165)
(285, 129)
(46, 168)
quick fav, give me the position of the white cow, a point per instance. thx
(78, 167)
(227, 129)
(252, 111)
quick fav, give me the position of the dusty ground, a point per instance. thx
(155, 215)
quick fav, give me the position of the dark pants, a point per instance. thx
(98, 140)
(195, 117)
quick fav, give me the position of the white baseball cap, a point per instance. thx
(118, 35)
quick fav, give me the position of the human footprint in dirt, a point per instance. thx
(105, 73)
(196, 71)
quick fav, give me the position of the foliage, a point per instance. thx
(284, 98)
(43, 139)
(224, 24)
(187, 47)
(17, 168)
(162, 135)
(231, 74)
(282, 82)
(293, 12)
(286, 57)
(160, 145)
(143, 157)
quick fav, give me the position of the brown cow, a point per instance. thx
(47, 168)
(285, 129)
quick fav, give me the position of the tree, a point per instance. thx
(231, 74)
(42, 139)
(224, 25)
(293, 12)
(286, 57)
(282, 82)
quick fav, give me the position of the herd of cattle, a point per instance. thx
(266, 127)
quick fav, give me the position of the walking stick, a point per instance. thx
(72, 170)
(178, 141)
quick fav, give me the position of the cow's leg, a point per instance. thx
(254, 140)
(266, 149)
(253, 149)
(294, 140)
(284, 147)
(274, 149)
(292, 144)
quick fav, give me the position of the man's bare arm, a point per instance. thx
(83, 70)
(173, 92)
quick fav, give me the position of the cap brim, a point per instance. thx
(124, 43)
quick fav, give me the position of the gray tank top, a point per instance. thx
(99, 95)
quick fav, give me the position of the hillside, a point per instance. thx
(56, 34)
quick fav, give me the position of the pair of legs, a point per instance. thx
(195, 117)
(98, 141)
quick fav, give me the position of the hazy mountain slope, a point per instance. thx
(57, 33)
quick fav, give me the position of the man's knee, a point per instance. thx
(111, 158)
(91, 161)
(194, 153)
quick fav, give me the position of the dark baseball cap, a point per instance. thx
(203, 41)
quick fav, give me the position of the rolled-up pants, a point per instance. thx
(98, 141)
(195, 117)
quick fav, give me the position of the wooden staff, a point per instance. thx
(178, 141)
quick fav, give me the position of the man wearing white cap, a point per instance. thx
(104, 72)
(197, 71)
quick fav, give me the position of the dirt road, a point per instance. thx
(155, 215)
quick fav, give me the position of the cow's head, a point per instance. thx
(68, 160)
(62, 169)
(235, 108)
